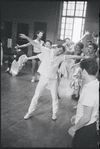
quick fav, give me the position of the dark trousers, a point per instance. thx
(86, 137)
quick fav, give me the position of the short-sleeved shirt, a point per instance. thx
(50, 63)
(89, 97)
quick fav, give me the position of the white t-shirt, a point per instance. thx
(37, 50)
(50, 63)
(89, 97)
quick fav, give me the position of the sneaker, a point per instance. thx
(54, 117)
(7, 70)
(28, 115)
(33, 79)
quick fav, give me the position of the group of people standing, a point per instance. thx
(54, 57)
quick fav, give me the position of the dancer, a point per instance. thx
(35, 62)
(15, 56)
(84, 129)
(48, 74)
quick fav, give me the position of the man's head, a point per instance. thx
(60, 49)
(89, 67)
(79, 47)
(48, 44)
(39, 34)
(92, 48)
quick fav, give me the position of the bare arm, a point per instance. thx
(23, 36)
(82, 122)
(86, 33)
(75, 57)
(22, 46)
(32, 57)
(85, 118)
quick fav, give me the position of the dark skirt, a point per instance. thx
(34, 54)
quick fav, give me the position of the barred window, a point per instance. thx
(72, 20)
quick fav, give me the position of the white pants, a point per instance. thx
(43, 82)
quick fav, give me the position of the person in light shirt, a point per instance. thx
(48, 74)
(35, 62)
(84, 129)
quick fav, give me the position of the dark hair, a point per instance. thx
(96, 35)
(49, 41)
(89, 41)
(90, 65)
(94, 46)
(61, 46)
(80, 44)
(39, 32)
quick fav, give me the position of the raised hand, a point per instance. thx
(22, 36)
(16, 47)
(87, 32)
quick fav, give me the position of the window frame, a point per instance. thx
(73, 16)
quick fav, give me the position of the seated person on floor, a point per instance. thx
(15, 61)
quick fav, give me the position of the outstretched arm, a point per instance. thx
(32, 57)
(75, 57)
(86, 33)
(22, 46)
(23, 36)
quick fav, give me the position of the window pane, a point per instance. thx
(70, 12)
(79, 6)
(68, 32)
(80, 3)
(61, 37)
(63, 19)
(62, 32)
(67, 36)
(69, 26)
(84, 14)
(83, 21)
(78, 13)
(64, 12)
(64, 5)
(85, 6)
(70, 20)
(71, 5)
(62, 26)
(77, 29)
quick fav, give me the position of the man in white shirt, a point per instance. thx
(48, 74)
(84, 129)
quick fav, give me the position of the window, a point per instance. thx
(73, 20)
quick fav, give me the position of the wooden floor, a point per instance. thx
(40, 130)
